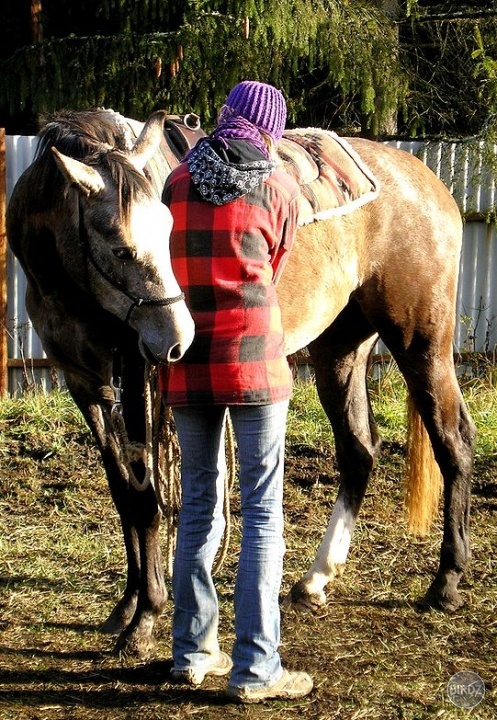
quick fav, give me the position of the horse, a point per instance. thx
(92, 236)
(387, 270)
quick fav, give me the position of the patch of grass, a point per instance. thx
(388, 395)
(307, 421)
(38, 421)
(481, 398)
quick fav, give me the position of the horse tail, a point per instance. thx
(423, 476)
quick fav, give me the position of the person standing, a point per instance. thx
(235, 215)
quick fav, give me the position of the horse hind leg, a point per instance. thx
(340, 357)
(433, 385)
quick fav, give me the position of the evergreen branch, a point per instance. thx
(437, 14)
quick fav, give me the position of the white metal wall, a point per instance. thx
(22, 342)
(460, 167)
(463, 167)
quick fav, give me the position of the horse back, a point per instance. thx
(408, 180)
(397, 252)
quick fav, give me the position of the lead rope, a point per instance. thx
(130, 451)
(163, 459)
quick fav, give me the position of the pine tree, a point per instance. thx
(369, 66)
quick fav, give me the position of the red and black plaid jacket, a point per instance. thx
(227, 259)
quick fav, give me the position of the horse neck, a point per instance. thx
(161, 165)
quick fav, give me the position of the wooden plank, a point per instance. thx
(29, 363)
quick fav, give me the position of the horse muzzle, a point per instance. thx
(164, 332)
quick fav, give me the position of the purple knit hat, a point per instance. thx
(261, 104)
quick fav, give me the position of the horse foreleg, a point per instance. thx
(141, 517)
(146, 600)
(123, 612)
(134, 617)
(145, 596)
(340, 364)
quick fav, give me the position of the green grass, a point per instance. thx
(481, 398)
(39, 420)
(308, 423)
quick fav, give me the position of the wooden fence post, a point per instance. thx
(3, 270)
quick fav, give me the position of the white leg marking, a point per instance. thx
(333, 550)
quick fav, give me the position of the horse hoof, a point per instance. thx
(299, 598)
(135, 647)
(445, 601)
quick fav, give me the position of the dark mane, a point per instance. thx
(80, 134)
(96, 137)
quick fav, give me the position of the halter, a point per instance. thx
(136, 302)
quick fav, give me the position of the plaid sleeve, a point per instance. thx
(287, 211)
(282, 253)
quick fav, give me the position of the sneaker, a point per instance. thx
(220, 664)
(290, 686)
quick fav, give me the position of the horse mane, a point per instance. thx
(97, 138)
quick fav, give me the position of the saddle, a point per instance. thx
(181, 134)
(333, 178)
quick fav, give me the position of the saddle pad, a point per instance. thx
(333, 178)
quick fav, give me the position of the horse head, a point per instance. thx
(122, 231)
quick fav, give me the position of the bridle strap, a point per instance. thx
(138, 302)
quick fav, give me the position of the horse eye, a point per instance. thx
(124, 253)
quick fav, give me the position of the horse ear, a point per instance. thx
(86, 178)
(148, 141)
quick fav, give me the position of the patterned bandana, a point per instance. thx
(220, 182)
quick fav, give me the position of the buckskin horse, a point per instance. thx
(387, 269)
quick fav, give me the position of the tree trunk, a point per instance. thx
(36, 25)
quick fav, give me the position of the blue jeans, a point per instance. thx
(260, 435)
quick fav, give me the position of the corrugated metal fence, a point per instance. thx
(24, 349)
(459, 165)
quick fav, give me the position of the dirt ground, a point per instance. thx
(371, 653)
